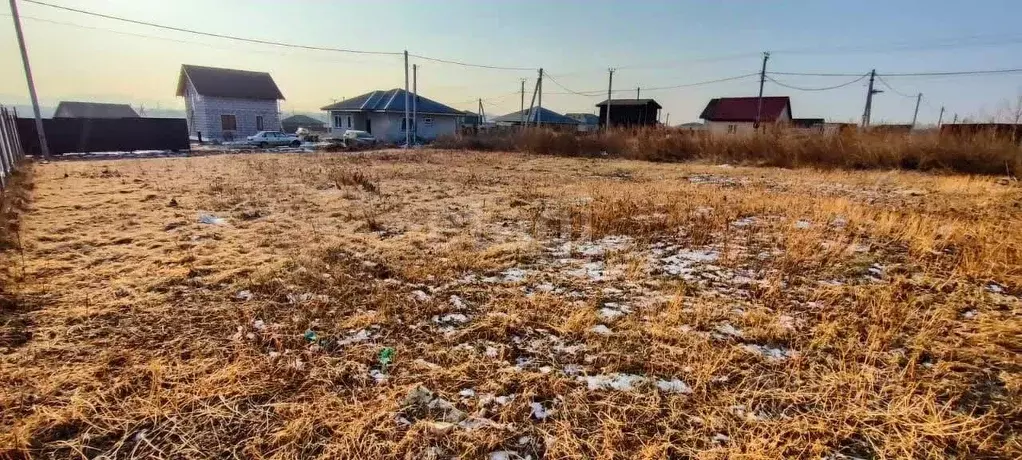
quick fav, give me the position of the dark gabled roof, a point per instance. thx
(626, 102)
(72, 109)
(392, 100)
(544, 115)
(237, 84)
(301, 120)
(584, 118)
(744, 108)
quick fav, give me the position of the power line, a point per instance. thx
(657, 88)
(569, 90)
(953, 73)
(888, 86)
(467, 64)
(827, 88)
(211, 34)
(811, 74)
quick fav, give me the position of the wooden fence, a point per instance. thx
(11, 153)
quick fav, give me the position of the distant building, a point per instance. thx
(382, 114)
(72, 109)
(692, 126)
(228, 104)
(808, 124)
(630, 112)
(470, 119)
(292, 123)
(737, 115)
(587, 122)
(537, 114)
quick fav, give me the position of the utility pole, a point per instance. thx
(762, 81)
(482, 111)
(868, 112)
(415, 102)
(610, 89)
(941, 119)
(637, 90)
(43, 146)
(521, 115)
(539, 108)
(532, 103)
(915, 116)
(408, 131)
(667, 122)
(955, 121)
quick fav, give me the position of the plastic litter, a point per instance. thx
(211, 219)
(310, 336)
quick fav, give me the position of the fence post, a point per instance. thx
(17, 135)
(5, 163)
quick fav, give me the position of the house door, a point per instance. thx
(369, 126)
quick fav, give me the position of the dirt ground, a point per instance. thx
(466, 305)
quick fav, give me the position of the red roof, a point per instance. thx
(745, 108)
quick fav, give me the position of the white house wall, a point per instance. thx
(387, 126)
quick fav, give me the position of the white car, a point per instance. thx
(264, 139)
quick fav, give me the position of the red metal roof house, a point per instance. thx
(733, 115)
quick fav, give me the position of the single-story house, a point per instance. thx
(630, 112)
(808, 124)
(292, 123)
(737, 115)
(587, 122)
(73, 109)
(382, 114)
(228, 104)
(537, 114)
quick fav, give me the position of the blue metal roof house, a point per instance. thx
(381, 113)
(546, 116)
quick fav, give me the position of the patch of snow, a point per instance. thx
(602, 329)
(803, 224)
(420, 295)
(684, 261)
(572, 370)
(616, 381)
(995, 288)
(610, 314)
(595, 271)
(539, 412)
(514, 275)
(378, 376)
(258, 325)
(359, 336)
(728, 329)
(467, 393)
(243, 295)
(503, 455)
(721, 438)
(770, 353)
(457, 302)
(491, 352)
(674, 386)
(744, 222)
(451, 318)
(970, 314)
(544, 287)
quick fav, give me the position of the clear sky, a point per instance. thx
(651, 43)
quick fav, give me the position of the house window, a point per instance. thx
(259, 123)
(349, 121)
(339, 121)
(732, 129)
(427, 121)
(228, 123)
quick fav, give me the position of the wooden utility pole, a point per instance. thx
(415, 103)
(915, 116)
(532, 104)
(667, 122)
(610, 89)
(521, 115)
(762, 81)
(955, 120)
(539, 108)
(408, 131)
(940, 120)
(43, 146)
(637, 91)
(868, 111)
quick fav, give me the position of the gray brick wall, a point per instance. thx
(204, 115)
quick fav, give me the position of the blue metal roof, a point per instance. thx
(545, 115)
(392, 100)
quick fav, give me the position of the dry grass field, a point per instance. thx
(434, 305)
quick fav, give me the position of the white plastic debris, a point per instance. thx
(243, 295)
(210, 219)
(970, 314)
(721, 438)
(467, 393)
(378, 376)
